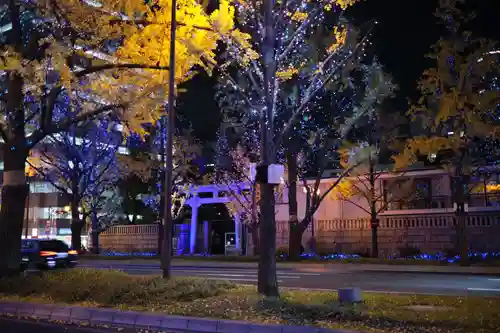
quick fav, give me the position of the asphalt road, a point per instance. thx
(8, 325)
(387, 282)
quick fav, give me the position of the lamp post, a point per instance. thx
(166, 256)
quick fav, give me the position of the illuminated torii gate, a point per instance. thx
(220, 194)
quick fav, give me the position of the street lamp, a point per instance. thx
(167, 212)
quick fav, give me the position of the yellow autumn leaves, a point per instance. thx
(132, 74)
(197, 37)
(339, 39)
(142, 32)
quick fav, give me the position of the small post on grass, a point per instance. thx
(349, 295)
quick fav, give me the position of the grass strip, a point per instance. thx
(381, 313)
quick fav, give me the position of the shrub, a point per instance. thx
(282, 252)
(409, 252)
(110, 288)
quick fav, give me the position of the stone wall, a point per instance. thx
(429, 233)
(130, 238)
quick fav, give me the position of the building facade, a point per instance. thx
(424, 219)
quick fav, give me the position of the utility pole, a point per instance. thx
(166, 256)
(161, 177)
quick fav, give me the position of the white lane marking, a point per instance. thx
(496, 280)
(247, 280)
(216, 276)
(483, 289)
(236, 275)
(383, 291)
(207, 272)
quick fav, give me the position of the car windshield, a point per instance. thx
(53, 245)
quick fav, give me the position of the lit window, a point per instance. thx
(123, 151)
(42, 187)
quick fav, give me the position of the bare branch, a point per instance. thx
(310, 212)
(63, 125)
(313, 93)
(296, 36)
(100, 68)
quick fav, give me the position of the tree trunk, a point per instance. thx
(160, 237)
(461, 216)
(76, 227)
(11, 227)
(373, 205)
(14, 189)
(95, 234)
(295, 241)
(76, 235)
(254, 231)
(462, 243)
(294, 234)
(374, 227)
(267, 279)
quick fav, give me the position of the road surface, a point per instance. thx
(395, 282)
(8, 325)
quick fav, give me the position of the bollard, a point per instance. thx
(349, 295)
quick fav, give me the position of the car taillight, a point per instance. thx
(47, 254)
(72, 252)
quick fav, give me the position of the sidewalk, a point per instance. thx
(140, 320)
(310, 267)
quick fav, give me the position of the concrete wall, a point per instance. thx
(134, 238)
(429, 233)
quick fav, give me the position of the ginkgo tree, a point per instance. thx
(372, 184)
(322, 149)
(280, 34)
(458, 109)
(109, 56)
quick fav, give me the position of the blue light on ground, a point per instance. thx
(478, 256)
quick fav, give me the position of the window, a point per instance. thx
(403, 194)
(53, 245)
(460, 187)
(42, 187)
(422, 198)
(395, 196)
(28, 244)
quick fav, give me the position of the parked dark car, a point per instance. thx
(47, 254)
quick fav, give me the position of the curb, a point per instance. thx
(140, 320)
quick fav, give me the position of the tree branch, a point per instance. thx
(295, 36)
(309, 214)
(310, 96)
(63, 125)
(99, 68)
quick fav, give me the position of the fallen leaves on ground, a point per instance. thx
(381, 313)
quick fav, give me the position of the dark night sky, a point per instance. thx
(405, 33)
(408, 28)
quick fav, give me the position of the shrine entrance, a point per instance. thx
(213, 234)
(220, 222)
